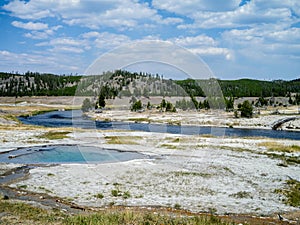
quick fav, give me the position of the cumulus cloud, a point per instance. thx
(36, 9)
(203, 45)
(192, 6)
(122, 14)
(247, 15)
(30, 25)
(39, 61)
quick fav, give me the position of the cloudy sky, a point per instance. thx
(258, 39)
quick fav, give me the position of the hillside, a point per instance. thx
(124, 83)
(36, 84)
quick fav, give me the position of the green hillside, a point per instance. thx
(123, 83)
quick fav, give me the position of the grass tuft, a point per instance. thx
(123, 140)
(291, 193)
(278, 147)
(54, 135)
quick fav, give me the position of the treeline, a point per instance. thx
(122, 83)
(244, 87)
(256, 88)
(37, 84)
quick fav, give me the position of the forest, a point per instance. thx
(123, 83)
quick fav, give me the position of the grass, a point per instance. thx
(183, 173)
(123, 140)
(11, 118)
(99, 195)
(54, 135)
(286, 159)
(21, 213)
(241, 194)
(27, 214)
(177, 206)
(118, 193)
(129, 217)
(169, 146)
(279, 147)
(291, 193)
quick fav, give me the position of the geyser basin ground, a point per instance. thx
(67, 154)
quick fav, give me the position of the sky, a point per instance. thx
(258, 39)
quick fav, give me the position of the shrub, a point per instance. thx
(246, 109)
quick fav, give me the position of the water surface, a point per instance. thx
(67, 154)
(74, 118)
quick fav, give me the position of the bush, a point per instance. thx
(86, 105)
(137, 106)
(246, 109)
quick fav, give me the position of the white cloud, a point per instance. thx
(194, 41)
(30, 25)
(35, 9)
(121, 14)
(212, 51)
(192, 6)
(203, 45)
(39, 61)
(247, 15)
(66, 44)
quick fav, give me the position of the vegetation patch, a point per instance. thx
(25, 214)
(241, 194)
(286, 159)
(11, 118)
(291, 193)
(118, 193)
(55, 135)
(22, 186)
(99, 195)
(123, 140)
(187, 173)
(169, 146)
(278, 147)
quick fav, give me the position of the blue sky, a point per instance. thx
(257, 39)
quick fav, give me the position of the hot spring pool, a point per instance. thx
(66, 154)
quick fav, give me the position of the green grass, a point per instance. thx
(25, 214)
(99, 195)
(291, 193)
(55, 135)
(130, 217)
(11, 118)
(21, 213)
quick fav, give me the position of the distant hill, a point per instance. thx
(36, 84)
(124, 83)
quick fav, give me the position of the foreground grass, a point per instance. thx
(278, 147)
(291, 192)
(21, 213)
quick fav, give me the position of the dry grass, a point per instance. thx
(279, 147)
(54, 135)
(123, 140)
